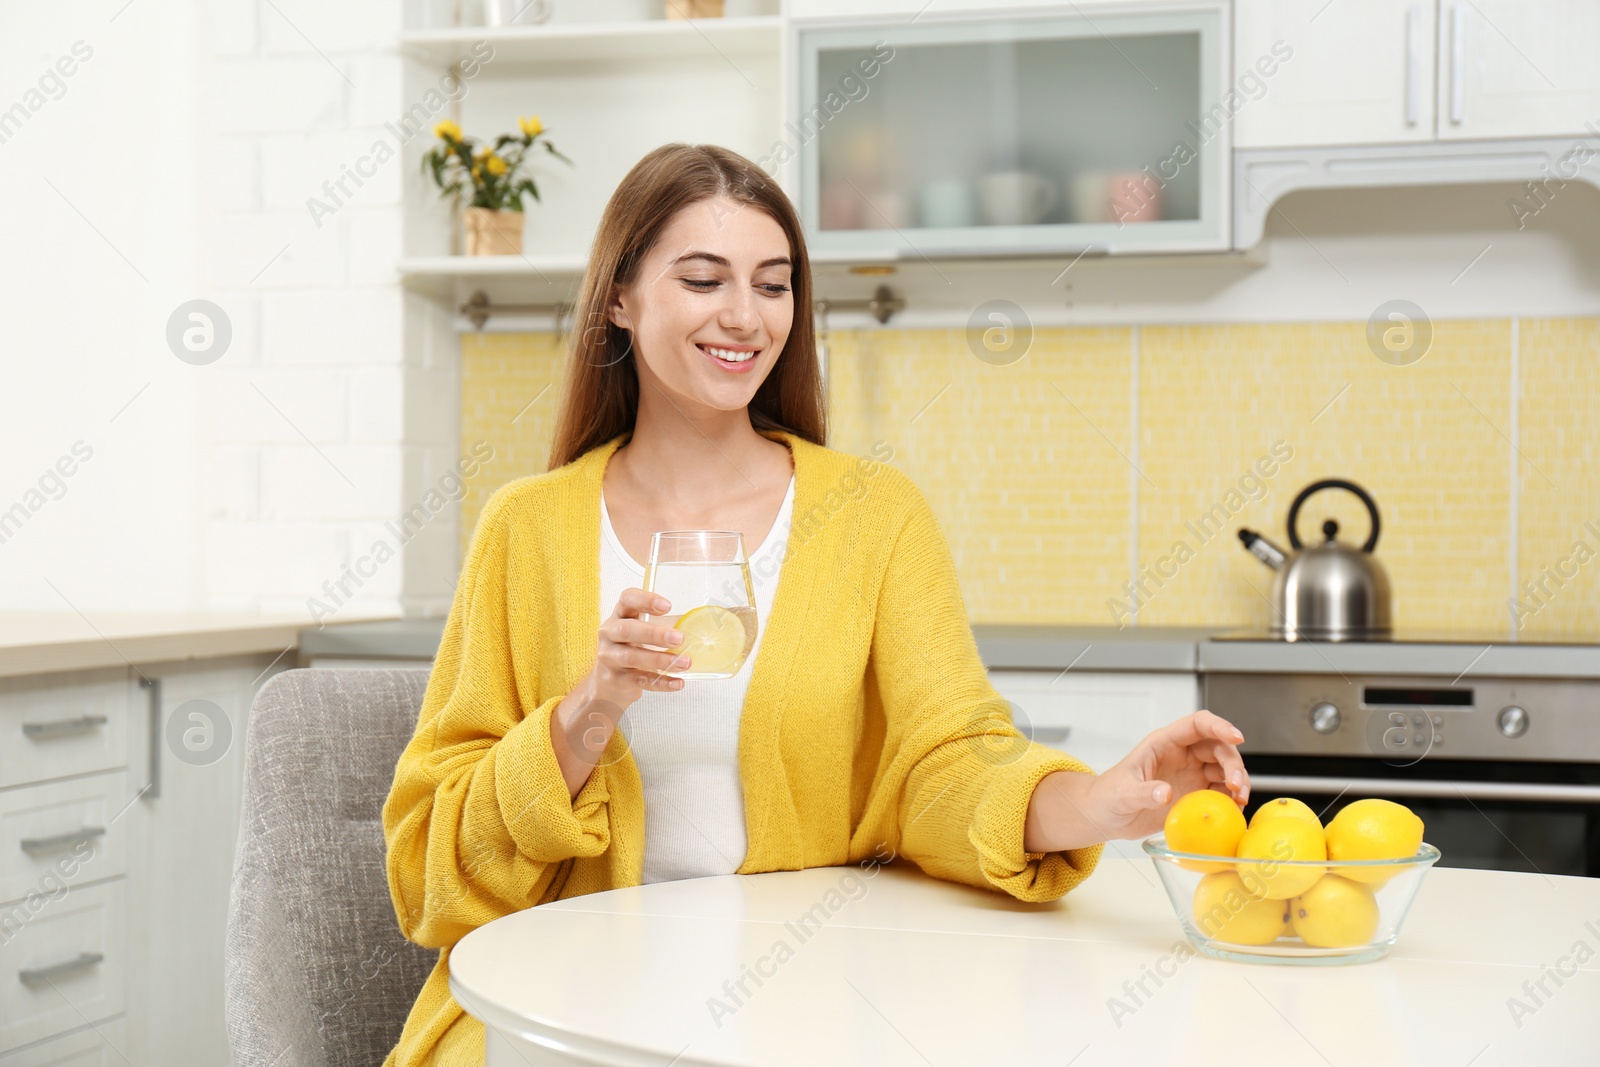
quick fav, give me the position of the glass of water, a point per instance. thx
(705, 574)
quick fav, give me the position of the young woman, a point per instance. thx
(553, 757)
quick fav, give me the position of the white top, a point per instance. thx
(862, 966)
(686, 744)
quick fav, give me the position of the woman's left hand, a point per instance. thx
(1131, 799)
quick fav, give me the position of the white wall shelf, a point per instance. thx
(446, 276)
(605, 41)
(489, 266)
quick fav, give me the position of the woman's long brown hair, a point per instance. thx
(601, 395)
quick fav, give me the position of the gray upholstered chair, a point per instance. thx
(318, 974)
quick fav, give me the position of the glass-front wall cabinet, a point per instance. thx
(1022, 135)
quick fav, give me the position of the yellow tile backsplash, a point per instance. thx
(1022, 463)
(510, 386)
(1423, 439)
(1101, 478)
(1558, 477)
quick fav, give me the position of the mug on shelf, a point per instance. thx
(839, 206)
(884, 209)
(945, 204)
(1114, 196)
(1014, 198)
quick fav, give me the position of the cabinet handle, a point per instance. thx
(39, 731)
(1458, 54)
(35, 845)
(41, 975)
(1414, 65)
(152, 687)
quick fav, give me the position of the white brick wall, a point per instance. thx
(333, 325)
(334, 411)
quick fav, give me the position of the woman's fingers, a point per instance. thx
(630, 657)
(638, 632)
(633, 603)
(1203, 725)
(1138, 796)
(1233, 766)
(1209, 734)
(646, 680)
(1213, 741)
(1224, 759)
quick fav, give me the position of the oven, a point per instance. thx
(1504, 772)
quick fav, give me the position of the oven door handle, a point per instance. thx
(1386, 787)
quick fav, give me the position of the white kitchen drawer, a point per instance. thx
(56, 725)
(1096, 716)
(61, 833)
(103, 1044)
(61, 962)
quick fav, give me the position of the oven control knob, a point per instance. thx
(1513, 721)
(1325, 718)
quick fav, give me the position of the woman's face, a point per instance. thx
(711, 306)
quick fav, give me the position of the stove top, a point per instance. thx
(1505, 636)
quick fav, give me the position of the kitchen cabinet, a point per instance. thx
(56, 726)
(1377, 72)
(1515, 99)
(64, 827)
(1353, 72)
(180, 882)
(66, 965)
(1096, 716)
(116, 858)
(1518, 68)
(1034, 133)
(64, 832)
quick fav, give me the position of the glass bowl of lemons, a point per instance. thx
(1284, 888)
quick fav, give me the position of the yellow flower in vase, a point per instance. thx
(494, 164)
(530, 126)
(447, 131)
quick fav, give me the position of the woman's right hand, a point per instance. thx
(581, 725)
(624, 668)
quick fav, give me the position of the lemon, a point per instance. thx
(714, 637)
(1373, 830)
(1335, 913)
(1225, 910)
(1273, 842)
(1289, 806)
(1207, 822)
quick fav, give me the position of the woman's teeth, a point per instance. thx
(727, 355)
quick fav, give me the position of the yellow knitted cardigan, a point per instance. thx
(870, 727)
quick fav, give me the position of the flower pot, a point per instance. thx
(694, 9)
(492, 233)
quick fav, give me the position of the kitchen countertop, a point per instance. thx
(1107, 648)
(386, 639)
(41, 642)
(1086, 648)
(848, 966)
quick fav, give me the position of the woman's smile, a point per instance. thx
(733, 358)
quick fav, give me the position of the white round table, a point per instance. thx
(886, 966)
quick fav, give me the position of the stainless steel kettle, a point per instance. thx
(1331, 591)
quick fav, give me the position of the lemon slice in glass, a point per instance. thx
(715, 639)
